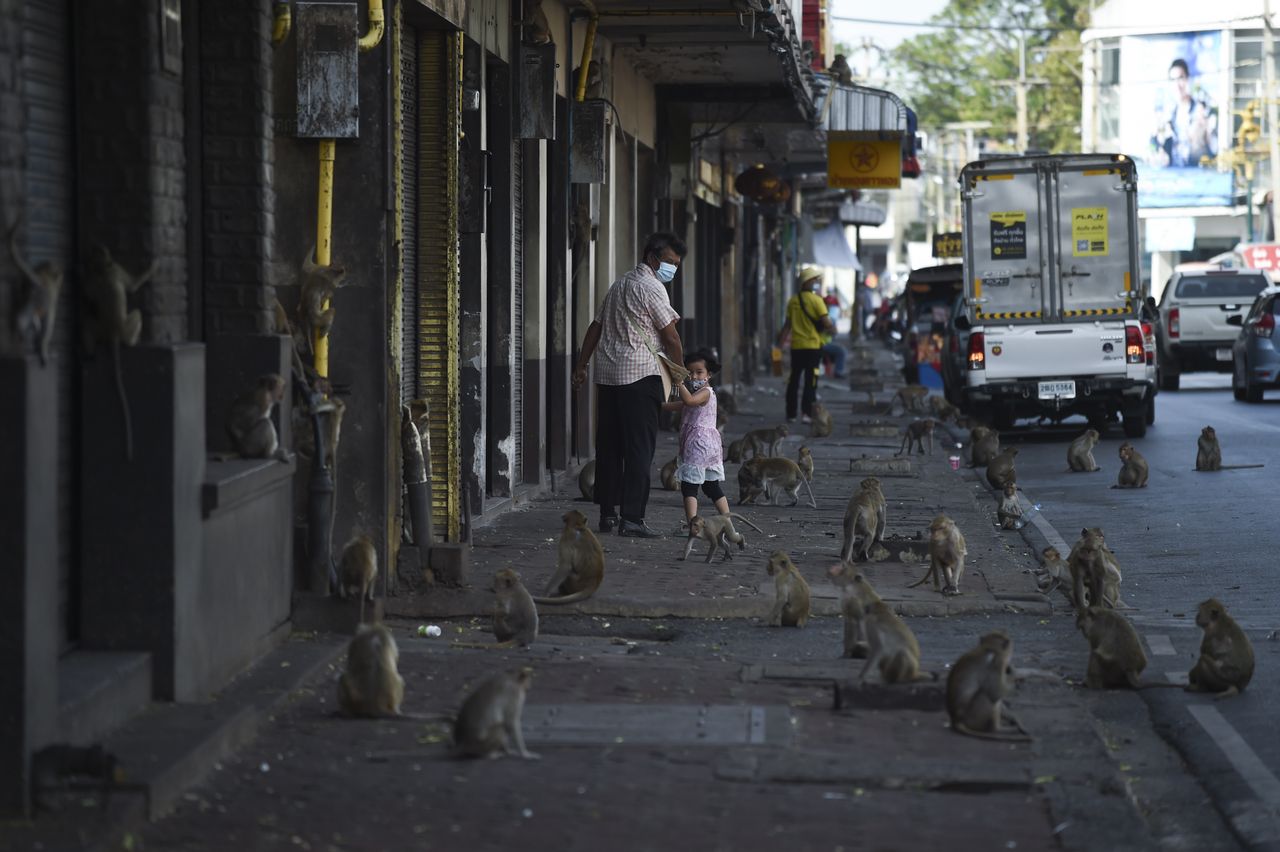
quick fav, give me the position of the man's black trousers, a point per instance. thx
(626, 431)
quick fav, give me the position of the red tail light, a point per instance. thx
(1263, 325)
(1175, 322)
(977, 351)
(1134, 351)
(1149, 342)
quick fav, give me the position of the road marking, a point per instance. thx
(1179, 678)
(1160, 645)
(1245, 760)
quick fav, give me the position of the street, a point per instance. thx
(1186, 537)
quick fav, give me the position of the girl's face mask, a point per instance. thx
(697, 384)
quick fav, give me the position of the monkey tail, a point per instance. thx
(124, 401)
(1239, 466)
(922, 580)
(961, 728)
(745, 521)
(566, 599)
(812, 502)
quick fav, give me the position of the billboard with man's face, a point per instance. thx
(1175, 117)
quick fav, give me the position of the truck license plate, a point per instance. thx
(1224, 354)
(1052, 390)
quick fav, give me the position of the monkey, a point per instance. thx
(318, 284)
(947, 550)
(1056, 570)
(357, 570)
(1080, 452)
(1133, 470)
(840, 71)
(912, 398)
(1208, 450)
(735, 451)
(1000, 470)
(984, 445)
(1094, 570)
(855, 594)
(253, 434)
(726, 400)
(865, 518)
(1116, 658)
(536, 28)
(804, 461)
(820, 421)
(488, 723)
(38, 313)
(1225, 665)
(106, 287)
(587, 480)
(791, 600)
(579, 563)
(916, 433)
(722, 420)
(515, 618)
(892, 646)
(371, 686)
(757, 440)
(750, 486)
(1010, 511)
(943, 409)
(976, 688)
(304, 434)
(56, 764)
(668, 475)
(776, 475)
(716, 531)
(595, 77)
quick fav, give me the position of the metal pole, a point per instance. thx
(1020, 93)
(1273, 125)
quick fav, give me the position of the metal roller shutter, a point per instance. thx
(409, 211)
(517, 310)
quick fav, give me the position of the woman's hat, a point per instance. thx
(808, 274)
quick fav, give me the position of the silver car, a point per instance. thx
(1255, 359)
(1193, 334)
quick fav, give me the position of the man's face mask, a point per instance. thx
(666, 272)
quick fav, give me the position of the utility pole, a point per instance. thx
(1273, 126)
(1020, 85)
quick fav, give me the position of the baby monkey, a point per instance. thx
(371, 686)
(515, 618)
(1010, 510)
(716, 531)
(821, 425)
(358, 569)
(805, 461)
(1133, 471)
(916, 433)
(976, 688)
(488, 724)
(791, 601)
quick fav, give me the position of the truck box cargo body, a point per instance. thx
(1053, 290)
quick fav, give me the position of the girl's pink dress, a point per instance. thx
(700, 457)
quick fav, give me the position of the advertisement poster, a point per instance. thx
(1175, 117)
(1089, 232)
(1009, 235)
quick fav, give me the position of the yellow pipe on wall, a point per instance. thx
(587, 45)
(370, 40)
(324, 241)
(282, 23)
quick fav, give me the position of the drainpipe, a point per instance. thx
(370, 40)
(282, 23)
(587, 45)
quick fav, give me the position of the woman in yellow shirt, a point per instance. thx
(807, 321)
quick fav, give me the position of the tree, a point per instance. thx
(955, 74)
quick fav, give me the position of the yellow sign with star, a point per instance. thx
(860, 160)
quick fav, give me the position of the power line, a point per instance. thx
(1054, 28)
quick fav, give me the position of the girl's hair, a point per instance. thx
(705, 356)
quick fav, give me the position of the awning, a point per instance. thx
(831, 248)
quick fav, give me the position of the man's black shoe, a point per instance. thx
(637, 530)
(607, 524)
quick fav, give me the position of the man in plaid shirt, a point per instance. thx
(635, 321)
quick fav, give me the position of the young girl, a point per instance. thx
(699, 461)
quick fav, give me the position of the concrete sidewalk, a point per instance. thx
(669, 717)
(644, 577)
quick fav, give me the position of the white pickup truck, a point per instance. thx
(1053, 292)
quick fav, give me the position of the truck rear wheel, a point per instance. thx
(1135, 421)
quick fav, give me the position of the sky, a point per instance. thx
(885, 37)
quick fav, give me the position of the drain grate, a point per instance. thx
(660, 724)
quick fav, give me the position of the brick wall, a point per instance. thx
(132, 164)
(239, 202)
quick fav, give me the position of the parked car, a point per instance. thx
(930, 293)
(1192, 332)
(1255, 361)
(955, 355)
